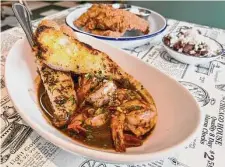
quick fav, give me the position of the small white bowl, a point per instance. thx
(194, 60)
(178, 113)
(157, 25)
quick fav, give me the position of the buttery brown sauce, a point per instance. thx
(99, 137)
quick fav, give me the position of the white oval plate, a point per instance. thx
(178, 113)
(157, 25)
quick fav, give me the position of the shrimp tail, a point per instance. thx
(132, 141)
(76, 126)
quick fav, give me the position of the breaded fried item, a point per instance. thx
(105, 17)
(109, 33)
(64, 52)
(91, 13)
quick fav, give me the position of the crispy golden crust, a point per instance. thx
(106, 18)
(107, 33)
(80, 58)
(49, 23)
(68, 31)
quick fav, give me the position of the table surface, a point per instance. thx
(206, 82)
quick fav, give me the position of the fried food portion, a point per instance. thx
(108, 33)
(102, 17)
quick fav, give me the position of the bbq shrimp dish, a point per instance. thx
(86, 95)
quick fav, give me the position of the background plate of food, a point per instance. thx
(86, 98)
(119, 24)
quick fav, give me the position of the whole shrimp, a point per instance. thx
(88, 116)
(134, 116)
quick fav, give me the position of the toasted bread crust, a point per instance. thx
(49, 23)
(96, 61)
(68, 31)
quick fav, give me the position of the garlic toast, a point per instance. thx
(65, 53)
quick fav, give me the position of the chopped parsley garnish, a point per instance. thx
(72, 99)
(110, 78)
(137, 107)
(88, 76)
(91, 89)
(100, 111)
(131, 108)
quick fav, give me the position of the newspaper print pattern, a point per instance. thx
(24, 147)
